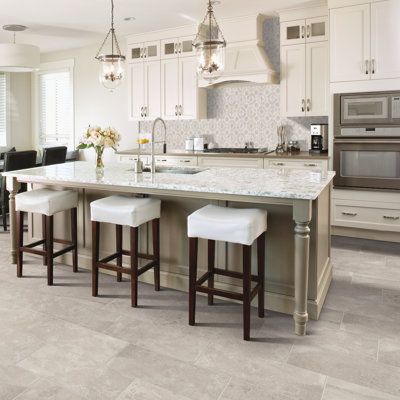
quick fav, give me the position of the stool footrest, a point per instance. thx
(30, 250)
(233, 274)
(220, 292)
(64, 250)
(34, 244)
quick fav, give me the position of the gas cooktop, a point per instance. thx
(245, 150)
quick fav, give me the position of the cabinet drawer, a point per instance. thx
(385, 219)
(231, 162)
(171, 160)
(299, 164)
(130, 158)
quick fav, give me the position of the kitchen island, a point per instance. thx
(298, 265)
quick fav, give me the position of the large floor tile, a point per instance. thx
(389, 351)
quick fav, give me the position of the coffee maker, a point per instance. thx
(319, 138)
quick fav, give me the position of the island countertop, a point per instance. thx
(273, 183)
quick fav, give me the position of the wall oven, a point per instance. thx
(367, 140)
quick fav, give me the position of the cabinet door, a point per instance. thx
(316, 29)
(170, 88)
(152, 80)
(293, 77)
(188, 88)
(185, 46)
(136, 90)
(293, 32)
(151, 51)
(385, 40)
(317, 79)
(350, 43)
(169, 48)
(135, 53)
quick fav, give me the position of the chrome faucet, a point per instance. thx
(153, 164)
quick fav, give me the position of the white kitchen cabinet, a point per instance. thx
(232, 162)
(293, 76)
(144, 86)
(385, 40)
(173, 47)
(304, 31)
(181, 97)
(350, 43)
(317, 79)
(364, 42)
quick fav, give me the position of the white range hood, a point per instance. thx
(245, 57)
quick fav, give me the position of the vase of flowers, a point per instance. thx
(99, 139)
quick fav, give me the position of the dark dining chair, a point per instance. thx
(14, 161)
(54, 155)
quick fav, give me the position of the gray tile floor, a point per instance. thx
(60, 343)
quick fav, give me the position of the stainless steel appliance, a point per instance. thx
(367, 140)
(319, 138)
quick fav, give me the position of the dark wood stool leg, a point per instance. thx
(193, 249)
(20, 241)
(95, 257)
(261, 273)
(74, 236)
(44, 238)
(118, 236)
(211, 265)
(246, 291)
(49, 248)
(156, 252)
(134, 265)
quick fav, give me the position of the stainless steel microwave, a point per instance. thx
(376, 109)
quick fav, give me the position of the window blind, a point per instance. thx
(3, 110)
(55, 108)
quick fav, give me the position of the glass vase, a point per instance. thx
(99, 158)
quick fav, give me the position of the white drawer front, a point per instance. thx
(129, 159)
(298, 164)
(231, 162)
(385, 219)
(176, 161)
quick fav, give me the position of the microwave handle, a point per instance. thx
(363, 141)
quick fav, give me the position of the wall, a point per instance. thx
(238, 113)
(93, 104)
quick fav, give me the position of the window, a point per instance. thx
(3, 110)
(55, 107)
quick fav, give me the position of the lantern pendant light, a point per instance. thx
(111, 65)
(210, 47)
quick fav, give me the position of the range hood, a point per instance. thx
(245, 56)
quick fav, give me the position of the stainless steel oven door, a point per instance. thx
(365, 109)
(361, 163)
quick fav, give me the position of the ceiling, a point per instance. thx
(64, 24)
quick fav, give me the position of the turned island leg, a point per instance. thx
(302, 217)
(12, 187)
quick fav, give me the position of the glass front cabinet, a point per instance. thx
(304, 31)
(140, 52)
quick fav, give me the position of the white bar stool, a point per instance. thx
(234, 225)
(133, 212)
(48, 203)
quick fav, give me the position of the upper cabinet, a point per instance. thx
(304, 63)
(304, 31)
(365, 42)
(163, 79)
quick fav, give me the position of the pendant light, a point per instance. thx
(15, 57)
(210, 47)
(111, 65)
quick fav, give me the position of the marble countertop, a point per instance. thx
(276, 183)
(182, 153)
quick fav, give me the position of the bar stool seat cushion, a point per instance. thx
(234, 225)
(46, 201)
(122, 210)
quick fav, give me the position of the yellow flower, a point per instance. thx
(143, 141)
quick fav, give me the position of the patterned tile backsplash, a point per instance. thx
(243, 112)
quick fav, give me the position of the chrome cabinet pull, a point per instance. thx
(145, 111)
(184, 161)
(302, 31)
(180, 110)
(366, 67)
(308, 105)
(141, 53)
(310, 165)
(175, 48)
(349, 214)
(308, 31)
(373, 66)
(302, 104)
(141, 112)
(279, 164)
(391, 217)
(176, 111)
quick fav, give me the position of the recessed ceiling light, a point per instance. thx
(129, 19)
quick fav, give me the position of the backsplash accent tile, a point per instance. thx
(243, 112)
